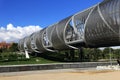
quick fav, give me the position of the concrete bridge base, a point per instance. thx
(31, 67)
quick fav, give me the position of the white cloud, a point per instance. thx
(12, 33)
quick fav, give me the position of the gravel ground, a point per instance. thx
(63, 74)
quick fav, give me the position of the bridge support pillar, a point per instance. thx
(72, 54)
(27, 55)
(81, 55)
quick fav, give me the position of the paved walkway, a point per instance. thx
(64, 74)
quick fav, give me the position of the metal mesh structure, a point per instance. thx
(102, 26)
(21, 45)
(96, 26)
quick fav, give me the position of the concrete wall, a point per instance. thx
(30, 67)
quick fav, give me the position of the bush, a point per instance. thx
(11, 56)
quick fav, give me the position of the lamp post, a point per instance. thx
(110, 57)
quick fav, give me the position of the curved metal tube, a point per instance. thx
(96, 26)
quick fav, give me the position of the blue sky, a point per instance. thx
(39, 12)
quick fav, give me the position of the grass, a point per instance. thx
(36, 60)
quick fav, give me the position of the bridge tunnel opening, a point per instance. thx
(70, 33)
(46, 42)
(80, 29)
(45, 39)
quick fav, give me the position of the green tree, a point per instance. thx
(13, 48)
(97, 54)
(107, 52)
(117, 53)
(92, 54)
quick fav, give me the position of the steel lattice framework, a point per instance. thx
(96, 26)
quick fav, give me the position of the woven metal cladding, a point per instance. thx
(97, 26)
(102, 27)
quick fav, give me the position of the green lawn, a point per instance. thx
(36, 60)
